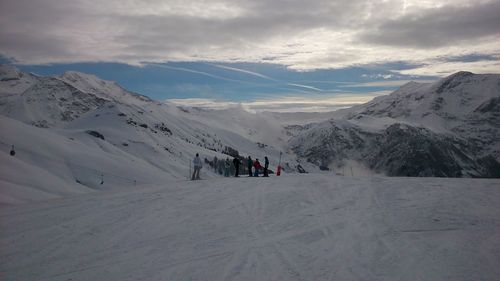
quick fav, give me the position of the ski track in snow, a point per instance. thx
(295, 227)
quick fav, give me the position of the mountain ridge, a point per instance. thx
(458, 113)
(402, 134)
(119, 142)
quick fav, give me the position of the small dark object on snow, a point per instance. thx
(12, 151)
(144, 125)
(300, 169)
(95, 134)
(324, 168)
(163, 128)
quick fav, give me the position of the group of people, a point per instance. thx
(227, 167)
(257, 167)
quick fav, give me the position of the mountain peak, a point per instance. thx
(9, 72)
(462, 73)
(80, 76)
(101, 88)
(453, 80)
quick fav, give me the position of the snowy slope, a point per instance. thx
(307, 227)
(453, 97)
(13, 81)
(58, 164)
(109, 90)
(257, 127)
(94, 129)
(50, 103)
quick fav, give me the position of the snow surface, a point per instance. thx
(297, 227)
(79, 207)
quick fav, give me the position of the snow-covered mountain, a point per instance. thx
(75, 134)
(447, 128)
(93, 134)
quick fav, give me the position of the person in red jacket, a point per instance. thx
(257, 167)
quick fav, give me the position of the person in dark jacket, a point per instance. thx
(257, 167)
(236, 163)
(227, 166)
(249, 165)
(266, 167)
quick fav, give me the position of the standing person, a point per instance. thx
(266, 167)
(249, 164)
(220, 166)
(257, 167)
(236, 163)
(226, 167)
(215, 164)
(197, 167)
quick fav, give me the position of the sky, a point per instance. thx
(253, 51)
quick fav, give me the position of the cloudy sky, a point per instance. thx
(276, 42)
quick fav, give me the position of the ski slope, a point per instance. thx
(296, 227)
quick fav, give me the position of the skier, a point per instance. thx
(257, 167)
(249, 164)
(226, 167)
(266, 167)
(197, 167)
(236, 163)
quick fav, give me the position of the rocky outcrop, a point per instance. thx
(398, 150)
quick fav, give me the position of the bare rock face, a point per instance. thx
(411, 151)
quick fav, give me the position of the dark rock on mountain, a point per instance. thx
(95, 134)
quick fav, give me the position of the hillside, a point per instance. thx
(92, 134)
(449, 128)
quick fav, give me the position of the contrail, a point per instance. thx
(245, 71)
(200, 72)
(305, 86)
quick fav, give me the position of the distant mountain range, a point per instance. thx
(449, 128)
(77, 133)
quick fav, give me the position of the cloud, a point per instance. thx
(318, 103)
(302, 35)
(471, 58)
(431, 28)
(391, 83)
(448, 68)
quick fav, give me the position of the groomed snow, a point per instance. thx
(296, 227)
